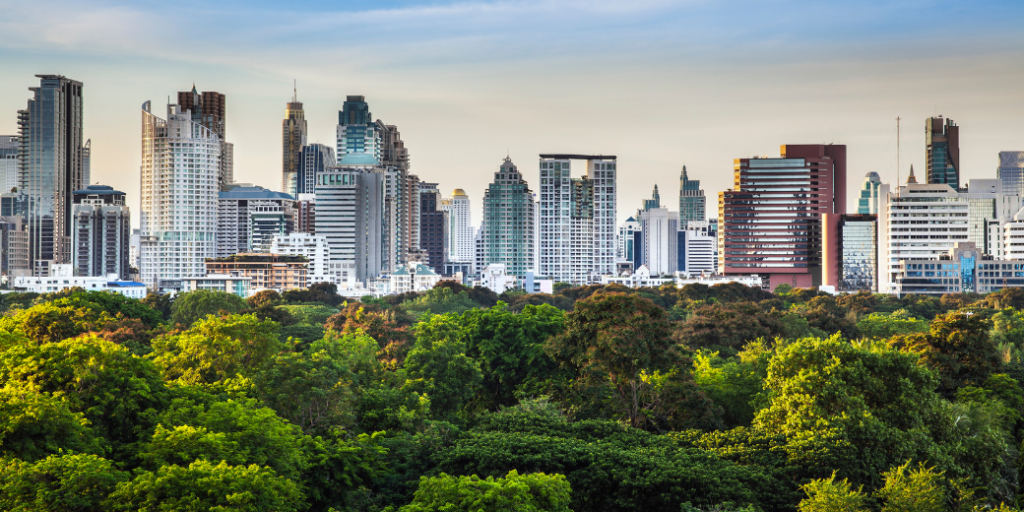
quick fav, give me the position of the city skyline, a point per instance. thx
(691, 99)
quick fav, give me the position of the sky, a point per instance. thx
(660, 84)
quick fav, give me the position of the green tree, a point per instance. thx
(535, 492)
(203, 486)
(450, 378)
(58, 483)
(621, 344)
(264, 298)
(215, 349)
(725, 328)
(34, 425)
(190, 307)
(887, 325)
(50, 322)
(439, 301)
(907, 489)
(116, 390)
(161, 303)
(958, 347)
(734, 383)
(828, 495)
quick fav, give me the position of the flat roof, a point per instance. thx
(568, 156)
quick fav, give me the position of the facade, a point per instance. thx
(868, 201)
(9, 162)
(350, 214)
(692, 203)
(507, 232)
(942, 151)
(14, 260)
(906, 237)
(495, 277)
(61, 277)
(180, 184)
(312, 159)
(850, 252)
(624, 240)
(459, 232)
(660, 246)
(208, 110)
(577, 218)
(240, 286)
(414, 277)
(316, 251)
(1010, 171)
(433, 226)
(293, 143)
(248, 219)
(770, 223)
(696, 253)
(356, 132)
(50, 151)
(276, 272)
(86, 163)
(101, 232)
(305, 213)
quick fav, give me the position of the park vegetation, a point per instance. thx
(594, 398)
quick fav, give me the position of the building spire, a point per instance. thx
(911, 179)
(685, 177)
(295, 91)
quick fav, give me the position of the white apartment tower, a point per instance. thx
(350, 215)
(459, 237)
(660, 237)
(316, 250)
(180, 169)
(577, 219)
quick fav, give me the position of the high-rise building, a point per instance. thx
(868, 201)
(1010, 171)
(350, 215)
(13, 248)
(654, 201)
(86, 163)
(101, 232)
(696, 253)
(459, 233)
(577, 219)
(357, 133)
(249, 217)
(850, 252)
(180, 183)
(208, 109)
(9, 163)
(660, 246)
(293, 141)
(692, 203)
(305, 213)
(507, 231)
(432, 226)
(770, 223)
(401, 205)
(942, 151)
(624, 240)
(50, 138)
(312, 159)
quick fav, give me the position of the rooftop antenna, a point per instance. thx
(295, 91)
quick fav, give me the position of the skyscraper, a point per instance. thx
(248, 219)
(432, 226)
(868, 201)
(293, 138)
(654, 201)
(180, 175)
(660, 246)
(349, 213)
(357, 133)
(507, 231)
(102, 230)
(50, 131)
(459, 233)
(770, 223)
(577, 219)
(942, 151)
(624, 240)
(208, 109)
(312, 159)
(1010, 171)
(692, 203)
(9, 163)
(86, 158)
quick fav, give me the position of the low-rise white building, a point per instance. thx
(413, 277)
(316, 250)
(685, 278)
(61, 278)
(495, 278)
(641, 278)
(238, 285)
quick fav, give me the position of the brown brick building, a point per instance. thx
(278, 272)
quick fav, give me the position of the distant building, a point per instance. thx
(506, 234)
(14, 260)
(9, 162)
(276, 272)
(1010, 171)
(315, 249)
(293, 142)
(101, 232)
(433, 226)
(692, 203)
(495, 277)
(240, 286)
(868, 201)
(624, 240)
(660, 246)
(696, 253)
(248, 218)
(942, 151)
(312, 159)
(209, 109)
(850, 252)
(413, 277)
(459, 232)
(350, 214)
(305, 213)
(640, 278)
(61, 277)
(770, 223)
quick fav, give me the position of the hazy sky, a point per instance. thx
(660, 84)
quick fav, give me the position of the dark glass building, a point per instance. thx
(432, 226)
(942, 147)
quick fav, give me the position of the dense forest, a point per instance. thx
(594, 398)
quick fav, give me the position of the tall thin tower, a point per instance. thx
(293, 138)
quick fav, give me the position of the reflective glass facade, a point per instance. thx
(692, 203)
(942, 151)
(507, 231)
(859, 252)
(1011, 172)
